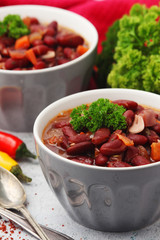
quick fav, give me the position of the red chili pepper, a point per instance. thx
(14, 146)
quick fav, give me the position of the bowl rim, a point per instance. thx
(63, 159)
(64, 65)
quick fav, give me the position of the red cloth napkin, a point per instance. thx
(102, 13)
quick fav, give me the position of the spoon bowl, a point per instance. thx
(12, 195)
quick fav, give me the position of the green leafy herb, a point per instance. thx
(135, 61)
(3, 29)
(13, 26)
(101, 113)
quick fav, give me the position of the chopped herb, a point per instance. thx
(13, 26)
(101, 113)
(130, 56)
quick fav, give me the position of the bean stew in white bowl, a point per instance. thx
(46, 53)
(99, 152)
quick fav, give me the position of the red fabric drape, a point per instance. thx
(102, 13)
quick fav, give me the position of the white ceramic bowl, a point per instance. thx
(34, 89)
(107, 199)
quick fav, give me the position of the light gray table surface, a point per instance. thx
(46, 209)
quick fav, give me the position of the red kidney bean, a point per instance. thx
(74, 55)
(151, 135)
(117, 164)
(79, 138)
(114, 136)
(33, 20)
(40, 65)
(62, 61)
(101, 136)
(40, 50)
(11, 64)
(70, 40)
(156, 128)
(2, 59)
(72, 135)
(61, 124)
(68, 131)
(129, 115)
(130, 153)
(2, 46)
(50, 41)
(128, 104)
(17, 69)
(149, 117)
(139, 160)
(143, 151)
(15, 63)
(5, 52)
(138, 139)
(68, 52)
(80, 148)
(54, 25)
(113, 147)
(59, 52)
(139, 109)
(101, 160)
(22, 63)
(50, 31)
(82, 159)
(37, 28)
(37, 42)
(64, 142)
(7, 41)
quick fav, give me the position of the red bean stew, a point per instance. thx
(44, 46)
(137, 144)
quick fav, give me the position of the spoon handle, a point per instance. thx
(33, 223)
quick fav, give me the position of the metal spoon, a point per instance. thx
(12, 195)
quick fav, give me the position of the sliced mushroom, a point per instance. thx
(138, 124)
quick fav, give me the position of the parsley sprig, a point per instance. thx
(13, 26)
(101, 113)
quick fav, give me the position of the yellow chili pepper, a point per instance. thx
(11, 165)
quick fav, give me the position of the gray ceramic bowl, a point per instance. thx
(23, 94)
(107, 199)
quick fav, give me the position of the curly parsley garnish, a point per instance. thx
(101, 113)
(13, 26)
